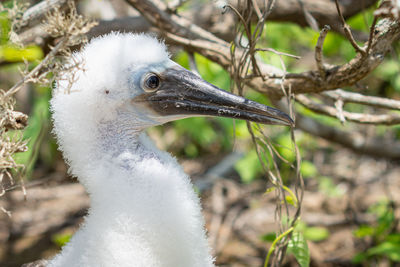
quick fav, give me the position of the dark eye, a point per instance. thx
(152, 82)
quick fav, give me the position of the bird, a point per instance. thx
(143, 207)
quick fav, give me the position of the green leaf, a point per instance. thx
(269, 190)
(212, 72)
(241, 130)
(208, 70)
(389, 249)
(191, 150)
(387, 70)
(362, 20)
(37, 127)
(394, 238)
(61, 239)
(4, 28)
(299, 248)
(316, 233)
(308, 169)
(16, 54)
(200, 129)
(290, 200)
(269, 237)
(359, 257)
(248, 167)
(364, 231)
(285, 148)
(328, 187)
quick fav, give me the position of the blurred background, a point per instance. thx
(350, 211)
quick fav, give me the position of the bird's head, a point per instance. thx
(129, 82)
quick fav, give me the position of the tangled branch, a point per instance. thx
(382, 119)
(180, 31)
(70, 29)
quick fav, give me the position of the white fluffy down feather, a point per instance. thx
(143, 211)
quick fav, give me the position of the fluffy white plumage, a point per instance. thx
(143, 211)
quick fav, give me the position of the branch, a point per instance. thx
(37, 69)
(347, 31)
(373, 101)
(355, 141)
(39, 10)
(318, 51)
(386, 119)
(324, 12)
(209, 17)
(15, 120)
(39, 36)
(126, 24)
(347, 74)
(182, 32)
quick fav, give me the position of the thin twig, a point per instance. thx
(37, 69)
(192, 63)
(386, 119)
(311, 21)
(347, 31)
(318, 51)
(339, 107)
(373, 101)
(40, 9)
(276, 52)
(305, 82)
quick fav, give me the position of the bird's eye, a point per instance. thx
(152, 82)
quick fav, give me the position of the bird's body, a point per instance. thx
(144, 211)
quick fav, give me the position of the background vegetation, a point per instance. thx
(350, 211)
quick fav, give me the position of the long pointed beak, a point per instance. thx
(184, 94)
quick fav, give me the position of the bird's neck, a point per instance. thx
(143, 212)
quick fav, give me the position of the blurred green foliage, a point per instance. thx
(203, 133)
(12, 53)
(203, 136)
(312, 233)
(383, 238)
(61, 239)
(308, 169)
(37, 133)
(328, 187)
(40, 144)
(4, 28)
(249, 167)
(298, 246)
(299, 249)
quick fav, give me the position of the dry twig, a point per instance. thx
(318, 51)
(384, 119)
(373, 101)
(347, 31)
(72, 28)
(273, 80)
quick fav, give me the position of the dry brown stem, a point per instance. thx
(382, 119)
(70, 28)
(388, 8)
(347, 31)
(373, 101)
(318, 51)
(354, 140)
(33, 75)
